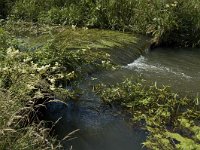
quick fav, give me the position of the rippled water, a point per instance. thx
(179, 68)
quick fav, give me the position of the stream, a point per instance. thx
(103, 127)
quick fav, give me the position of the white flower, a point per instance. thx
(60, 75)
(52, 80)
(27, 59)
(74, 27)
(173, 5)
(12, 52)
(30, 87)
(56, 64)
(52, 87)
(9, 50)
(154, 19)
(43, 68)
(167, 5)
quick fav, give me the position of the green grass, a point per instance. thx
(27, 78)
(169, 22)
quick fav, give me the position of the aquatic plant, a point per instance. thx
(172, 121)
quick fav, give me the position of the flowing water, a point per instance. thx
(178, 68)
(103, 127)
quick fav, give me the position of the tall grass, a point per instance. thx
(170, 22)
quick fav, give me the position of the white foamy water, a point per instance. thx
(142, 64)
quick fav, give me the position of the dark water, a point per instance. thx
(103, 127)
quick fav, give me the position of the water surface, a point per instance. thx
(179, 68)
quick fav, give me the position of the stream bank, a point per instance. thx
(98, 123)
(42, 63)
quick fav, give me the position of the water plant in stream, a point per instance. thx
(172, 121)
(31, 79)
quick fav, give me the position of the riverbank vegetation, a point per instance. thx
(48, 45)
(171, 121)
(29, 80)
(37, 63)
(169, 22)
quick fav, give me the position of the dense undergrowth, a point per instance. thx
(172, 121)
(169, 22)
(29, 80)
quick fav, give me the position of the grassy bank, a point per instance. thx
(29, 80)
(169, 22)
(40, 56)
(171, 121)
(37, 62)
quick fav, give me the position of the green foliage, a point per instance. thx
(29, 10)
(169, 22)
(172, 121)
(3, 42)
(25, 77)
